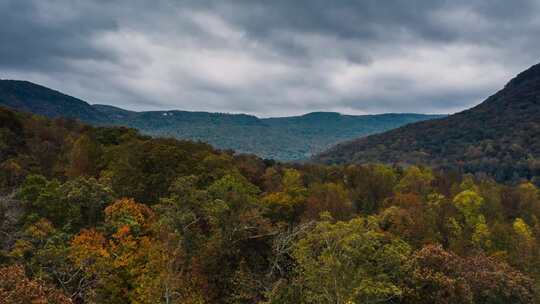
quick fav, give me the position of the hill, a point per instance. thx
(282, 138)
(30, 97)
(500, 137)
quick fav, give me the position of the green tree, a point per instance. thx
(43, 198)
(473, 228)
(416, 180)
(288, 204)
(469, 203)
(350, 262)
(525, 249)
(89, 197)
(72, 205)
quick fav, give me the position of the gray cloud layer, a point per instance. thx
(275, 57)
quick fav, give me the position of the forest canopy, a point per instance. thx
(106, 215)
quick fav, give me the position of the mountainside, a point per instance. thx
(30, 97)
(500, 136)
(283, 138)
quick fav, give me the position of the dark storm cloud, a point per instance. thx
(380, 21)
(34, 36)
(271, 57)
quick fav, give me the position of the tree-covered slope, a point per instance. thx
(283, 138)
(30, 97)
(500, 136)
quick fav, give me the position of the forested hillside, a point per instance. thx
(282, 138)
(499, 137)
(106, 215)
(30, 97)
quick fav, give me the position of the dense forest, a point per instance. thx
(280, 138)
(106, 215)
(499, 137)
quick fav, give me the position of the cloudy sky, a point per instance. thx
(270, 58)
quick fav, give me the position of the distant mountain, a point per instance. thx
(282, 138)
(500, 137)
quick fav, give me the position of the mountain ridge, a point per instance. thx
(281, 138)
(503, 129)
(45, 101)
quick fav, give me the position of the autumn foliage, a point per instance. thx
(17, 288)
(105, 215)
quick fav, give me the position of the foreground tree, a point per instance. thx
(350, 262)
(116, 259)
(17, 288)
(440, 276)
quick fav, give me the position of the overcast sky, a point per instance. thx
(270, 58)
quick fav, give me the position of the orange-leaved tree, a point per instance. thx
(17, 288)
